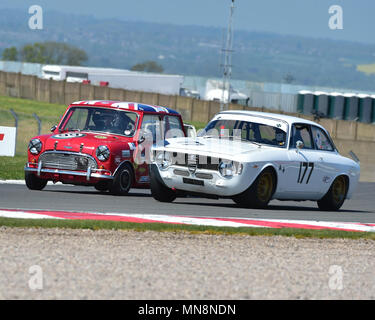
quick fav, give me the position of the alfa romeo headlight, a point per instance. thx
(226, 168)
(102, 153)
(163, 160)
(35, 146)
(229, 168)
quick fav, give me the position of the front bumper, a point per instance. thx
(59, 174)
(180, 178)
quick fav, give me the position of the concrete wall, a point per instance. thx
(348, 135)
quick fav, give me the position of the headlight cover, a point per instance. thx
(102, 153)
(35, 146)
(163, 160)
(229, 168)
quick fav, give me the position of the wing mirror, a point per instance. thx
(141, 139)
(299, 145)
(53, 128)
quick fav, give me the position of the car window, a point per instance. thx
(102, 120)
(321, 140)
(301, 132)
(172, 127)
(246, 131)
(78, 119)
(151, 127)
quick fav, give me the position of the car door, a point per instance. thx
(150, 133)
(304, 170)
(327, 158)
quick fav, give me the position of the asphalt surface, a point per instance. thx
(361, 208)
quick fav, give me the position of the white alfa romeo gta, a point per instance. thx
(252, 158)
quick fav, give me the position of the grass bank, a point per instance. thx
(50, 114)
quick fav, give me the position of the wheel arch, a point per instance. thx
(272, 167)
(122, 164)
(274, 171)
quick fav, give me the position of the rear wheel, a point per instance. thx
(336, 195)
(33, 182)
(122, 181)
(259, 194)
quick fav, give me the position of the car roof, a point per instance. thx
(289, 119)
(126, 106)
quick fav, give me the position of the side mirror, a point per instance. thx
(53, 128)
(141, 139)
(190, 130)
(299, 145)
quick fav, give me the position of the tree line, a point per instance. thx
(62, 54)
(46, 53)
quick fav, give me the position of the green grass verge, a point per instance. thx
(50, 114)
(192, 229)
(12, 168)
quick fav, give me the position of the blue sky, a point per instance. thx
(300, 17)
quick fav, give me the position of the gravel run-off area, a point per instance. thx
(39, 263)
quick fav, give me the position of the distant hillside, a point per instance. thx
(192, 50)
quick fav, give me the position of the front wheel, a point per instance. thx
(102, 186)
(159, 190)
(33, 182)
(122, 181)
(259, 194)
(336, 195)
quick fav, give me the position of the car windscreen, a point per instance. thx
(101, 120)
(247, 131)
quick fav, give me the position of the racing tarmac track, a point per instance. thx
(361, 208)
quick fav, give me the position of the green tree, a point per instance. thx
(10, 54)
(53, 53)
(148, 66)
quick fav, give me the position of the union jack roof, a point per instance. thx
(126, 105)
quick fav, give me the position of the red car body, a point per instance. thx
(103, 158)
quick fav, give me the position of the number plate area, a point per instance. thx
(193, 181)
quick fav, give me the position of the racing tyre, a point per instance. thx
(259, 194)
(101, 186)
(122, 181)
(336, 195)
(159, 191)
(33, 182)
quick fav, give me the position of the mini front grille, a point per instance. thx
(67, 161)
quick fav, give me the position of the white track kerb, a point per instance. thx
(186, 220)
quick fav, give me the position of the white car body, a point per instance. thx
(302, 174)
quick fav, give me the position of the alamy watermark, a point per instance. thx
(36, 20)
(335, 281)
(36, 278)
(336, 20)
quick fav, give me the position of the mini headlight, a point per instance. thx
(102, 153)
(35, 146)
(163, 160)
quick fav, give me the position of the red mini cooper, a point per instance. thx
(104, 144)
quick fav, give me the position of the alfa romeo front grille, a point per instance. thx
(67, 161)
(201, 162)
